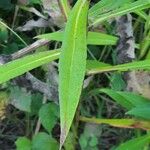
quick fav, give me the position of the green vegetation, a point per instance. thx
(74, 74)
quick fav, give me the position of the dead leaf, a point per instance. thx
(31, 24)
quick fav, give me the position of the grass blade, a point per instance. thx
(136, 143)
(120, 123)
(94, 67)
(93, 38)
(22, 65)
(72, 65)
(132, 7)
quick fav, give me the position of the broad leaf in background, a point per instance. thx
(34, 2)
(22, 65)
(72, 65)
(43, 141)
(116, 82)
(6, 5)
(3, 33)
(49, 114)
(93, 38)
(123, 9)
(23, 143)
(20, 98)
(135, 144)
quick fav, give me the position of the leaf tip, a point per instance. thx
(63, 136)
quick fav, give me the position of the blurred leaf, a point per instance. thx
(36, 103)
(72, 65)
(35, 2)
(122, 10)
(93, 64)
(20, 98)
(43, 141)
(70, 142)
(120, 123)
(135, 144)
(126, 99)
(11, 48)
(49, 114)
(3, 33)
(94, 67)
(117, 83)
(89, 138)
(141, 112)
(93, 38)
(6, 4)
(93, 142)
(23, 143)
(27, 63)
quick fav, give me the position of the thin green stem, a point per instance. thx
(5, 25)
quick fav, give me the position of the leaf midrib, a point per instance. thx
(29, 63)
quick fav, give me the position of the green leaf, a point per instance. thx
(36, 103)
(117, 83)
(3, 33)
(104, 6)
(22, 65)
(141, 112)
(126, 99)
(43, 141)
(23, 143)
(118, 98)
(48, 115)
(34, 2)
(20, 98)
(72, 65)
(121, 123)
(135, 144)
(97, 38)
(6, 5)
(128, 8)
(94, 67)
(93, 38)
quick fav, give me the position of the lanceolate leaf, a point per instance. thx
(128, 8)
(127, 99)
(141, 112)
(93, 38)
(120, 123)
(105, 6)
(72, 65)
(20, 66)
(94, 67)
(137, 143)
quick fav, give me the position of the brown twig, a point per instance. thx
(29, 48)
